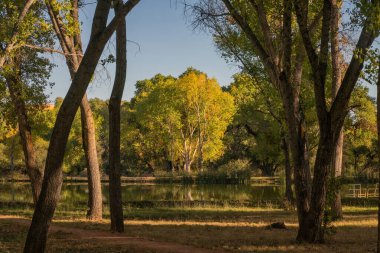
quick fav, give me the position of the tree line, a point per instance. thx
(236, 124)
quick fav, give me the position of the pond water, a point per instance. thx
(20, 192)
(75, 194)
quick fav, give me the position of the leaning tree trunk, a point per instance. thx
(51, 186)
(72, 47)
(115, 196)
(35, 174)
(93, 173)
(337, 162)
(95, 203)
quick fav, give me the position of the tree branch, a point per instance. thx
(265, 57)
(8, 48)
(48, 49)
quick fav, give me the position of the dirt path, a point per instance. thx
(115, 239)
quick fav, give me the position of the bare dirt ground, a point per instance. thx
(103, 237)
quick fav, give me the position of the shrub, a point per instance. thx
(235, 171)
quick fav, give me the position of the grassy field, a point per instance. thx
(214, 228)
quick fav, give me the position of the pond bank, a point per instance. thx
(165, 179)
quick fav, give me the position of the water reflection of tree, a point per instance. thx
(15, 192)
(74, 196)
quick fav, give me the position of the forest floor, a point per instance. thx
(195, 230)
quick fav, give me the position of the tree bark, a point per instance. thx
(93, 173)
(116, 206)
(311, 228)
(35, 174)
(200, 140)
(330, 121)
(289, 94)
(200, 152)
(337, 162)
(72, 47)
(52, 183)
(11, 161)
(288, 172)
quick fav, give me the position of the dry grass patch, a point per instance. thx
(234, 230)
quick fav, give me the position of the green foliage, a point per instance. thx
(257, 130)
(334, 185)
(235, 172)
(28, 71)
(361, 134)
(179, 118)
(34, 30)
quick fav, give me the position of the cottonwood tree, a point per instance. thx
(64, 18)
(184, 119)
(273, 43)
(330, 119)
(260, 115)
(101, 32)
(372, 76)
(153, 144)
(336, 65)
(206, 112)
(24, 72)
(26, 83)
(360, 133)
(116, 205)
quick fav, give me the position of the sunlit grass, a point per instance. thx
(359, 208)
(236, 229)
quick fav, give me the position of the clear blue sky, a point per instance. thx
(168, 45)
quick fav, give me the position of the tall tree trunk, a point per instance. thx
(93, 173)
(288, 90)
(115, 196)
(378, 153)
(72, 47)
(330, 120)
(288, 172)
(200, 141)
(336, 171)
(35, 174)
(187, 165)
(52, 183)
(311, 229)
(200, 153)
(11, 160)
(337, 161)
(296, 125)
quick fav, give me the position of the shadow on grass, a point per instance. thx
(233, 229)
(236, 239)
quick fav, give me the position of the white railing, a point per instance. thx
(357, 191)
